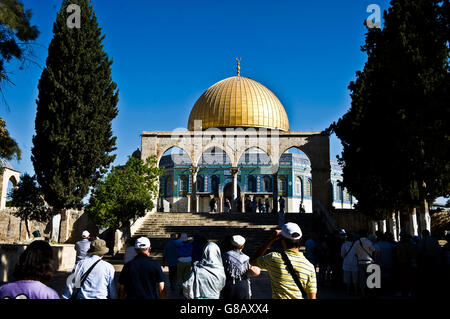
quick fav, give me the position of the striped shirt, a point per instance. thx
(283, 285)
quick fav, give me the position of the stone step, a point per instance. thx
(256, 228)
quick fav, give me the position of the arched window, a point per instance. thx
(215, 183)
(183, 185)
(282, 185)
(251, 183)
(200, 184)
(308, 188)
(299, 186)
(267, 183)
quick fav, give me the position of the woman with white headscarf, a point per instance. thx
(207, 277)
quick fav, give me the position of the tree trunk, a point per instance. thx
(27, 227)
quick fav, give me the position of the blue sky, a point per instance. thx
(167, 53)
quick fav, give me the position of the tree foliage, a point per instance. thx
(8, 146)
(396, 134)
(16, 33)
(126, 193)
(28, 199)
(75, 107)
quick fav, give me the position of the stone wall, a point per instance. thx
(63, 255)
(12, 228)
(73, 222)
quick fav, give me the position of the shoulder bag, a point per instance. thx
(293, 274)
(83, 279)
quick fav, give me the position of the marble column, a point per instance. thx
(373, 226)
(392, 226)
(188, 196)
(234, 173)
(243, 202)
(382, 225)
(275, 193)
(413, 227)
(197, 203)
(194, 171)
(221, 202)
(425, 219)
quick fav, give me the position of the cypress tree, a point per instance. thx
(75, 107)
(396, 134)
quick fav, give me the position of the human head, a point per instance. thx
(142, 245)
(184, 237)
(291, 235)
(212, 254)
(238, 241)
(425, 233)
(173, 236)
(85, 234)
(36, 233)
(405, 236)
(372, 238)
(35, 263)
(98, 248)
(363, 233)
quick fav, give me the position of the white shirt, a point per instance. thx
(350, 262)
(100, 284)
(364, 253)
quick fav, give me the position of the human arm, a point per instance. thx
(254, 270)
(261, 251)
(162, 290)
(122, 293)
(112, 287)
(123, 282)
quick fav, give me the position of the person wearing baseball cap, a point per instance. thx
(283, 266)
(237, 271)
(142, 277)
(82, 246)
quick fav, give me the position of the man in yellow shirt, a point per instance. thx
(282, 283)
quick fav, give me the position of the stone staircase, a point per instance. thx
(256, 228)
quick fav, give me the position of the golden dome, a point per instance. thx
(239, 102)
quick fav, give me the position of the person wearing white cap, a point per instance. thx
(292, 276)
(82, 246)
(142, 277)
(237, 270)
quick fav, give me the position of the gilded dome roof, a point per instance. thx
(239, 102)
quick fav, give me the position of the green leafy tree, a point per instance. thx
(30, 203)
(126, 193)
(16, 34)
(8, 146)
(75, 107)
(396, 134)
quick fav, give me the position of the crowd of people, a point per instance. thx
(198, 269)
(412, 266)
(202, 269)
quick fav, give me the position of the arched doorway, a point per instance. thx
(228, 194)
(174, 183)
